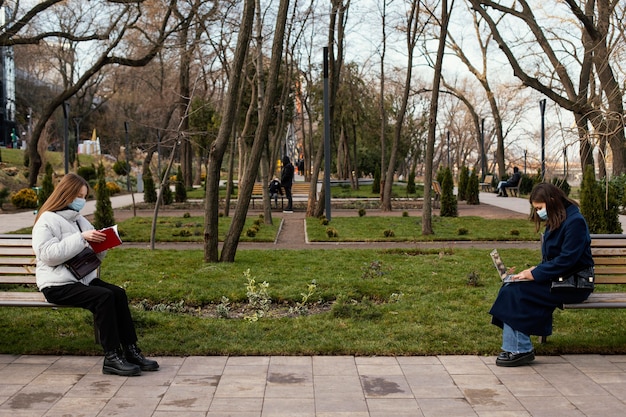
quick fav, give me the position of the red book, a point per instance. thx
(112, 240)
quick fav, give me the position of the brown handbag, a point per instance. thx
(84, 263)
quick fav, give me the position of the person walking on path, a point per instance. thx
(525, 306)
(286, 180)
(60, 233)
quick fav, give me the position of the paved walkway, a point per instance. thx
(313, 386)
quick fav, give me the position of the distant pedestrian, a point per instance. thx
(275, 190)
(286, 180)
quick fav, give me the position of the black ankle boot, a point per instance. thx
(116, 364)
(134, 355)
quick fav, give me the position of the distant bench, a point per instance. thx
(298, 189)
(17, 274)
(609, 257)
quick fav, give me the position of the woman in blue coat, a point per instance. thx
(524, 307)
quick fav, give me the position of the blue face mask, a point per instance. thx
(77, 204)
(543, 214)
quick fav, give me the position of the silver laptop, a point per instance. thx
(502, 270)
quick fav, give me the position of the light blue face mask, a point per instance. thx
(543, 214)
(77, 204)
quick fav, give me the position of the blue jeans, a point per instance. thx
(515, 341)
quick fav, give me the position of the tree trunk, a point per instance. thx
(218, 148)
(427, 227)
(231, 241)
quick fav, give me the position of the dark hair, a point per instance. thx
(556, 204)
(515, 169)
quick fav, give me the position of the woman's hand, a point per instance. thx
(94, 236)
(525, 275)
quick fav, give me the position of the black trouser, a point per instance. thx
(289, 198)
(109, 306)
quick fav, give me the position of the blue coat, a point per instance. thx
(527, 306)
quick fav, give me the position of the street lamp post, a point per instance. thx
(483, 165)
(66, 150)
(542, 108)
(77, 121)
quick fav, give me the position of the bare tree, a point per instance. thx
(413, 29)
(218, 148)
(109, 35)
(427, 227)
(556, 83)
(231, 241)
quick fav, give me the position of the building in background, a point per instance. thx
(8, 134)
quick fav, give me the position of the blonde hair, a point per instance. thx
(64, 193)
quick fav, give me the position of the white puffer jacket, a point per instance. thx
(56, 239)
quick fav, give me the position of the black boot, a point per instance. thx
(116, 364)
(133, 355)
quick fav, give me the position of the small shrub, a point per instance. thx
(324, 221)
(514, 232)
(251, 232)
(89, 173)
(473, 279)
(331, 232)
(4, 193)
(258, 297)
(405, 214)
(362, 212)
(121, 168)
(113, 188)
(223, 308)
(373, 270)
(183, 233)
(25, 198)
(186, 215)
(389, 233)
(258, 222)
(461, 231)
(364, 310)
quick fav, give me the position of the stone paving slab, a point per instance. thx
(315, 386)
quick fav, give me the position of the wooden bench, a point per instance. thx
(436, 194)
(609, 257)
(486, 185)
(513, 190)
(17, 275)
(298, 189)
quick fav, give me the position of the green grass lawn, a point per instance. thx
(366, 302)
(366, 229)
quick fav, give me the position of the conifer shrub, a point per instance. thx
(599, 207)
(472, 189)
(463, 181)
(448, 201)
(103, 216)
(180, 188)
(410, 185)
(149, 189)
(47, 187)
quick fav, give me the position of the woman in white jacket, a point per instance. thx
(59, 234)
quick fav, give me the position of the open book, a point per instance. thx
(112, 240)
(502, 270)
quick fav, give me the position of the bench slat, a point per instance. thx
(18, 260)
(17, 251)
(602, 300)
(18, 279)
(23, 299)
(16, 269)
